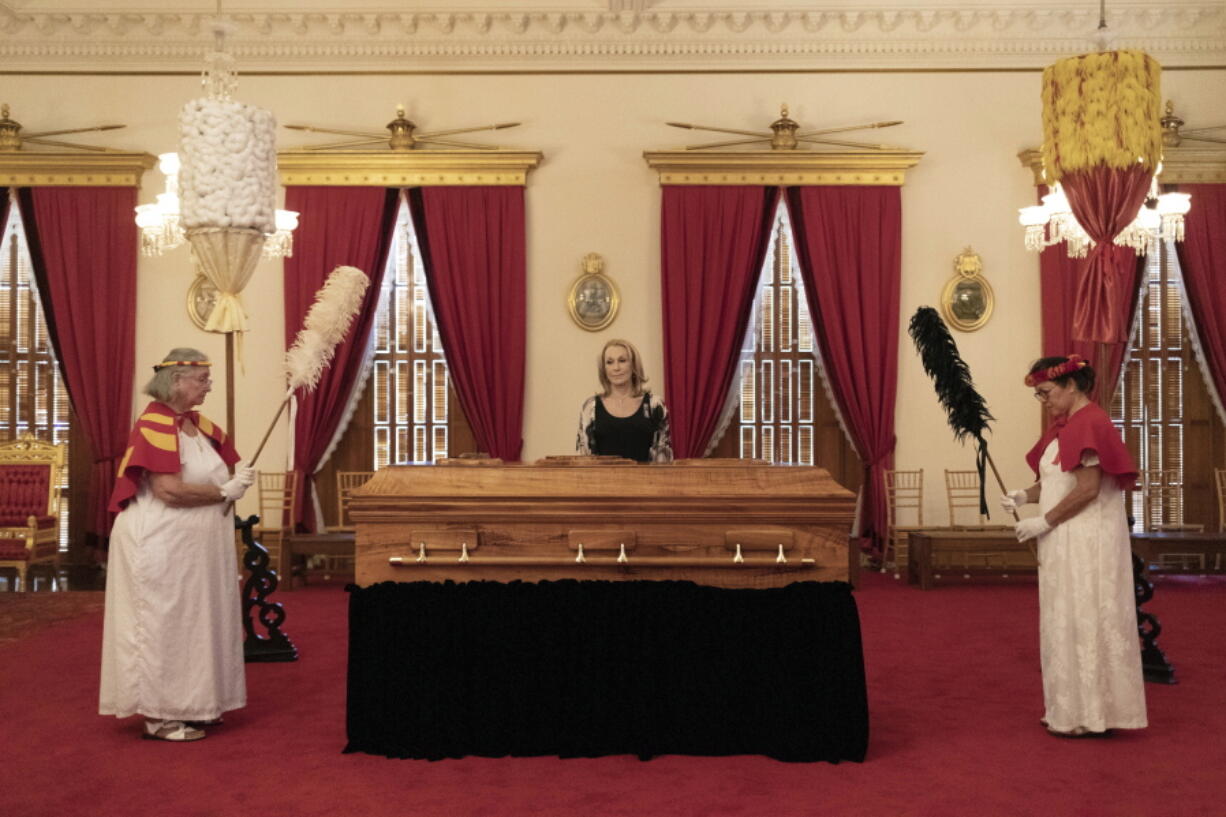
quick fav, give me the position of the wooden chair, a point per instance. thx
(30, 505)
(904, 492)
(346, 481)
(962, 492)
(334, 550)
(277, 491)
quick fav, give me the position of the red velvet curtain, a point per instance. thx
(472, 242)
(4, 207)
(83, 246)
(1061, 285)
(713, 242)
(849, 244)
(337, 226)
(1105, 201)
(1202, 259)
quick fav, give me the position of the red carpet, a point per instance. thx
(954, 699)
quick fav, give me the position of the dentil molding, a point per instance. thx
(608, 35)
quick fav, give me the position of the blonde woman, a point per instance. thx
(624, 419)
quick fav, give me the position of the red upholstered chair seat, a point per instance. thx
(13, 550)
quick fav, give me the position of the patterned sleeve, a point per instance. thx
(585, 439)
(662, 440)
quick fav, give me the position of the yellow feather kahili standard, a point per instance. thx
(1101, 110)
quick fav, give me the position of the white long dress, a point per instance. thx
(1088, 639)
(172, 633)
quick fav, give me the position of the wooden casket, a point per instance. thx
(580, 607)
(725, 523)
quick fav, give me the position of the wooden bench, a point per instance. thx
(988, 551)
(338, 543)
(996, 552)
(1181, 551)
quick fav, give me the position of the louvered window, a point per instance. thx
(778, 367)
(32, 394)
(1148, 405)
(410, 375)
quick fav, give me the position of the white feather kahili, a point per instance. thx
(326, 323)
(336, 304)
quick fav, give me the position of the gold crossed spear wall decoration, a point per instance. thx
(402, 136)
(11, 139)
(784, 136)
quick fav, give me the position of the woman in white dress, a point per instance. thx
(1089, 646)
(172, 635)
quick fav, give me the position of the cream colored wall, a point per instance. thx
(594, 193)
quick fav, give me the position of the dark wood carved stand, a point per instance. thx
(261, 583)
(1154, 666)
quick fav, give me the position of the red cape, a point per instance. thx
(1088, 429)
(153, 446)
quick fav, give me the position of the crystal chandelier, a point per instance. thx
(160, 224)
(1160, 218)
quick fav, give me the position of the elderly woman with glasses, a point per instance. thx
(172, 635)
(1088, 644)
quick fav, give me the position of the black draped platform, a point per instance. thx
(589, 668)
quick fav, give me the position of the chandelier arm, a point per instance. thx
(1186, 131)
(846, 144)
(719, 130)
(499, 126)
(1214, 139)
(849, 127)
(27, 137)
(348, 143)
(59, 144)
(727, 144)
(338, 132)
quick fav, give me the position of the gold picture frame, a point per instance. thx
(201, 298)
(967, 300)
(593, 299)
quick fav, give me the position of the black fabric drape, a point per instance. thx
(584, 669)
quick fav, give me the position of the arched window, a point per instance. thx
(780, 412)
(408, 411)
(1149, 405)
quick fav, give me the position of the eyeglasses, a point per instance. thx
(1041, 395)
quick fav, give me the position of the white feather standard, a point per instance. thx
(327, 322)
(325, 326)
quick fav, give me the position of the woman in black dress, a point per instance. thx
(624, 420)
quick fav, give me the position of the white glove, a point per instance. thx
(237, 485)
(1031, 528)
(1014, 500)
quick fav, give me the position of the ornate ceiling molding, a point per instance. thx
(630, 35)
(783, 167)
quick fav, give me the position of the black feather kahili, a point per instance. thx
(968, 413)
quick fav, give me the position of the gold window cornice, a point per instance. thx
(783, 168)
(1180, 165)
(417, 168)
(109, 169)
